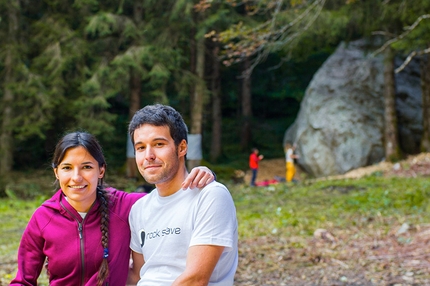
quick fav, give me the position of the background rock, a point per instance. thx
(341, 119)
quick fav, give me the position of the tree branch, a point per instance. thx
(401, 36)
(410, 57)
(281, 38)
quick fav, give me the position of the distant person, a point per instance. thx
(177, 238)
(289, 160)
(81, 235)
(254, 158)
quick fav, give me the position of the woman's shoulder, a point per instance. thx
(122, 195)
(123, 200)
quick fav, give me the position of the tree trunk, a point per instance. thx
(6, 139)
(216, 108)
(138, 11)
(6, 135)
(246, 106)
(135, 93)
(425, 88)
(392, 151)
(135, 76)
(198, 99)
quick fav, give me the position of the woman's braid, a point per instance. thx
(104, 227)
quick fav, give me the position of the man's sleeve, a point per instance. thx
(216, 222)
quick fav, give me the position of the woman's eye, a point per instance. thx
(88, 167)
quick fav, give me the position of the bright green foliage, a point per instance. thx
(105, 24)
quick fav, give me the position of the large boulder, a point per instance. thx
(341, 119)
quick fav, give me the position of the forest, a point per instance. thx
(236, 70)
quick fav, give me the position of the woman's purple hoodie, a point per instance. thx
(72, 245)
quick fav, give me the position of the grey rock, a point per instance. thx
(341, 119)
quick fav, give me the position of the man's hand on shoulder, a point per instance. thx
(199, 177)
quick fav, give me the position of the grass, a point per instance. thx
(280, 211)
(300, 209)
(14, 215)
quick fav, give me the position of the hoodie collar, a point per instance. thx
(58, 202)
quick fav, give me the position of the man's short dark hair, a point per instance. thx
(160, 115)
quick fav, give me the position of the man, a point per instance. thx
(178, 238)
(254, 158)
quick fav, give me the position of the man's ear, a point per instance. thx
(182, 148)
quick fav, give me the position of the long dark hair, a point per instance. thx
(90, 143)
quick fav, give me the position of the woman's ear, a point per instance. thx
(102, 172)
(55, 172)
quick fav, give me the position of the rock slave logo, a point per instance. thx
(142, 237)
(158, 234)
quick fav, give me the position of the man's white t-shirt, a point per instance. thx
(163, 228)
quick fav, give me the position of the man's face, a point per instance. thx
(157, 157)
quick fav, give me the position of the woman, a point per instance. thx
(82, 234)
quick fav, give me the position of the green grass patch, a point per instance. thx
(14, 215)
(300, 209)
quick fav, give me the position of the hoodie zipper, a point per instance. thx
(81, 240)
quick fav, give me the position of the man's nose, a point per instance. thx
(149, 154)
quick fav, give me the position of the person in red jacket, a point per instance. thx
(82, 235)
(254, 158)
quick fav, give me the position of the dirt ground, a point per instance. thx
(351, 256)
(347, 257)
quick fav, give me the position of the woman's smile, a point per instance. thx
(78, 174)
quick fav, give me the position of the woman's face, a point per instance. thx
(78, 174)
